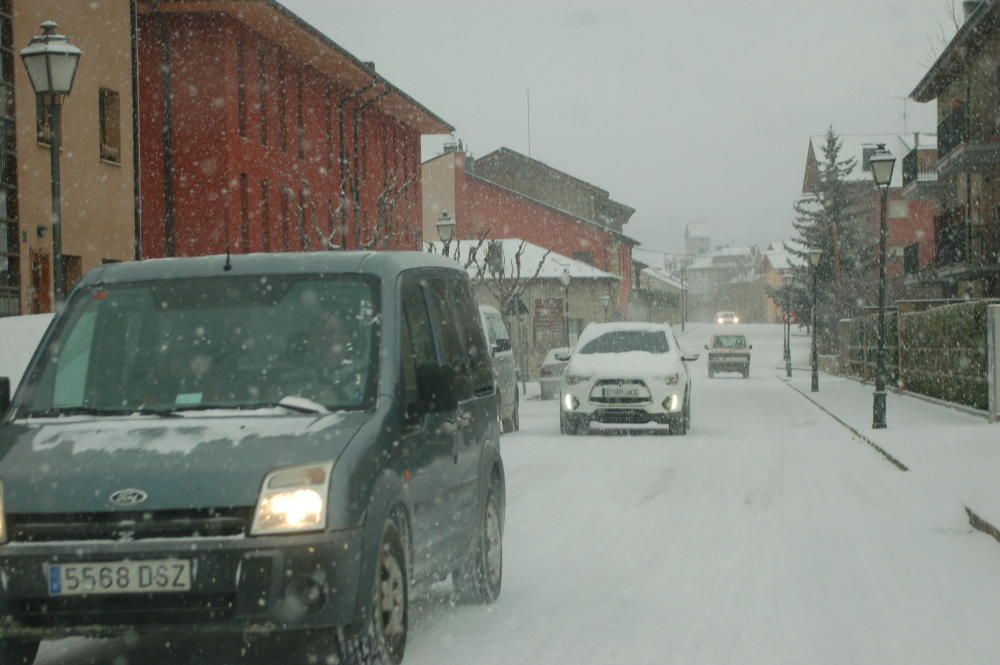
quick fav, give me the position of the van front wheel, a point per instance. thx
(383, 639)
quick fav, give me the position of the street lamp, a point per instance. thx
(446, 230)
(815, 256)
(52, 62)
(605, 301)
(788, 326)
(565, 278)
(882, 164)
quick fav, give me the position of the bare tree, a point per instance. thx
(946, 29)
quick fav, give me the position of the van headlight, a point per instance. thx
(293, 500)
(3, 518)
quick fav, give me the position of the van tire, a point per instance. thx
(479, 580)
(18, 652)
(379, 642)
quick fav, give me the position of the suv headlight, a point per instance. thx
(573, 379)
(293, 500)
(3, 518)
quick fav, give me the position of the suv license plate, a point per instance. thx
(160, 576)
(621, 392)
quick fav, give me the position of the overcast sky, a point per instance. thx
(686, 111)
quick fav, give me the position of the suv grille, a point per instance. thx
(138, 609)
(42, 528)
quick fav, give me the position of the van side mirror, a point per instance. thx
(690, 357)
(4, 395)
(436, 385)
(751, 347)
(562, 356)
(502, 345)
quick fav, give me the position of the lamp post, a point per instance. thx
(605, 301)
(882, 164)
(565, 278)
(446, 230)
(683, 292)
(52, 62)
(788, 327)
(815, 256)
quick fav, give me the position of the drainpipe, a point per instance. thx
(344, 101)
(136, 185)
(356, 184)
(168, 131)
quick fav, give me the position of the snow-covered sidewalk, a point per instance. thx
(955, 454)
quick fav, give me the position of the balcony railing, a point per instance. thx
(960, 241)
(913, 171)
(953, 131)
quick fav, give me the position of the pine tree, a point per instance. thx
(831, 218)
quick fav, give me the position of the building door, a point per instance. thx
(41, 282)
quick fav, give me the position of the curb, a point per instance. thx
(979, 524)
(882, 451)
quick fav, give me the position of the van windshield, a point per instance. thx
(237, 342)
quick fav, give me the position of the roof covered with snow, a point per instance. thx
(854, 146)
(552, 268)
(661, 276)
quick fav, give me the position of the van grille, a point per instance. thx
(45, 528)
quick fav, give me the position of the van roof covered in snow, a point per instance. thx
(384, 264)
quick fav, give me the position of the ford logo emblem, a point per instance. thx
(128, 497)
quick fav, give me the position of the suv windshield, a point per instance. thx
(730, 342)
(624, 341)
(238, 342)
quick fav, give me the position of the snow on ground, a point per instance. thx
(19, 335)
(767, 535)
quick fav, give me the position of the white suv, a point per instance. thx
(626, 375)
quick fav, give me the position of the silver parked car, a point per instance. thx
(503, 364)
(551, 371)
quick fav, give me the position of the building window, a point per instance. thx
(284, 220)
(899, 209)
(109, 111)
(241, 93)
(300, 126)
(282, 110)
(265, 214)
(10, 234)
(244, 213)
(911, 259)
(43, 129)
(262, 94)
(329, 131)
(866, 158)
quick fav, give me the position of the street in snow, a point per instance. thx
(768, 534)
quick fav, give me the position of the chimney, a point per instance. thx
(970, 7)
(370, 64)
(450, 146)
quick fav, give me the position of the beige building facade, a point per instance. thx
(99, 219)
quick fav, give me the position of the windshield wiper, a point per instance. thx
(298, 404)
(94, 411)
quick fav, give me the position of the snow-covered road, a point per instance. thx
(767, 535)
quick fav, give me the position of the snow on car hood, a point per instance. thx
(633, 364)
(74, 464)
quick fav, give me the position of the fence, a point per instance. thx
(949, 352)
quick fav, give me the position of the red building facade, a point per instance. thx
(483, 207)
(271, 137)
